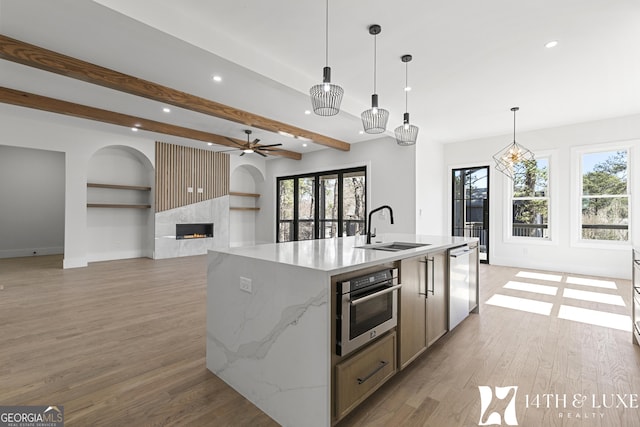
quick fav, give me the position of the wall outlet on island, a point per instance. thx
(245, 285)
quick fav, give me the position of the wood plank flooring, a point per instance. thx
(123, 343)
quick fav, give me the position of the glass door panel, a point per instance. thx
(306, 208)
(354, 205)
(285, 213)
(328, 206)
(470, 210)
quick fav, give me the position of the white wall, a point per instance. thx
(391, 180)
(562, 253)
(35, 129)
(119, 233)
(31, 201)
(431, 201)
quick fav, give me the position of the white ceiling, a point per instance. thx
(472, 62)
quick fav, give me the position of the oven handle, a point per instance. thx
(375, 295)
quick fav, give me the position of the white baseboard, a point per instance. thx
(16, 253)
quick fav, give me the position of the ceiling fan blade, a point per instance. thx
(235, 142)
(269, 145)
(270, 149)
(255, 141)
(242, 154)
(262, 154)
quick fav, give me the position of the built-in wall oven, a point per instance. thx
(367, 306)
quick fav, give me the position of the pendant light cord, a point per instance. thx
(375, 50)
(514, 125)
(326, 32)
(406, 85)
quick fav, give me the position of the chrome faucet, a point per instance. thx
(369, 235)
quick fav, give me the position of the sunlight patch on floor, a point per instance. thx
(522, 304)
(530, 287)
(539, 276)
(594, 296)
(598, 283)
(595, 317)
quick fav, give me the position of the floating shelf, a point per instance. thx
(111, 205)
(118, 187)
(235, 193)
(243, 209)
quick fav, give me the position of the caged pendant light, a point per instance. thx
(513, 153)
(326, 97)
(406, 134)
(375, 119)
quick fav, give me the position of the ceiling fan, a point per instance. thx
(252, 146)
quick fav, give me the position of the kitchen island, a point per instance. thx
(269, 318)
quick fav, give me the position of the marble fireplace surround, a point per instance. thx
(214, 211)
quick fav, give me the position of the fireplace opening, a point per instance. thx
(194, 231)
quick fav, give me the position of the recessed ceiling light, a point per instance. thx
(407, 89)
(166, 109)
(209, 143)
(361, 132)
(302, 138)
(217, 78)
(305, 144)
(134, 129)
(283, 133)
(552, 43)
(307, 112)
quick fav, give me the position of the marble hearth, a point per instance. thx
(214, 211)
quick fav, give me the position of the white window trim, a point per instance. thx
(576, 199)
(553, 238)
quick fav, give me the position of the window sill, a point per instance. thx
(530, 241)
(602, 244)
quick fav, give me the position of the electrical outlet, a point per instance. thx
(245, 285)
(200, 190)
(189, 189)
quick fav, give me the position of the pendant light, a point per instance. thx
(513, 153)
(375, 119)
(326, 97)
(406, 134)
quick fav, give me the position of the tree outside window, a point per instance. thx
(321, 205)
(605, 198)
(530, 200)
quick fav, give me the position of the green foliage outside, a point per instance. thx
(604, 198)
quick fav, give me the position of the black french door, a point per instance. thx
(470, 210)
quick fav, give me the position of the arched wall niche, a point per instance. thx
(245, 178)
(125, 227)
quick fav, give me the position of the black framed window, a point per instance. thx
(321, 205)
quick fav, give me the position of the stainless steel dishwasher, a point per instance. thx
(458, 285)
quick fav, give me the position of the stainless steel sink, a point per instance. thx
(393, 246)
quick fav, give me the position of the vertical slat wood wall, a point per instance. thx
(178, 168)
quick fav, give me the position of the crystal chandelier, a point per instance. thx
(513, 153)
(406, 134)
(326, 97)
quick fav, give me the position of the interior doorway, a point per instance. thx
(470, 210)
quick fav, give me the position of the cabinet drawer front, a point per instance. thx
(362, 374)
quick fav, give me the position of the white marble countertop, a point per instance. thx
(338, 255)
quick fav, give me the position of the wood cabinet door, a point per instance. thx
(364, 372)
(412, 310)
(437, 297)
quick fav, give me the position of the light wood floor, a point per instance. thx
(123, 343)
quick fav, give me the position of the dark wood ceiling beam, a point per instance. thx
(37, 57)
(39, 102)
